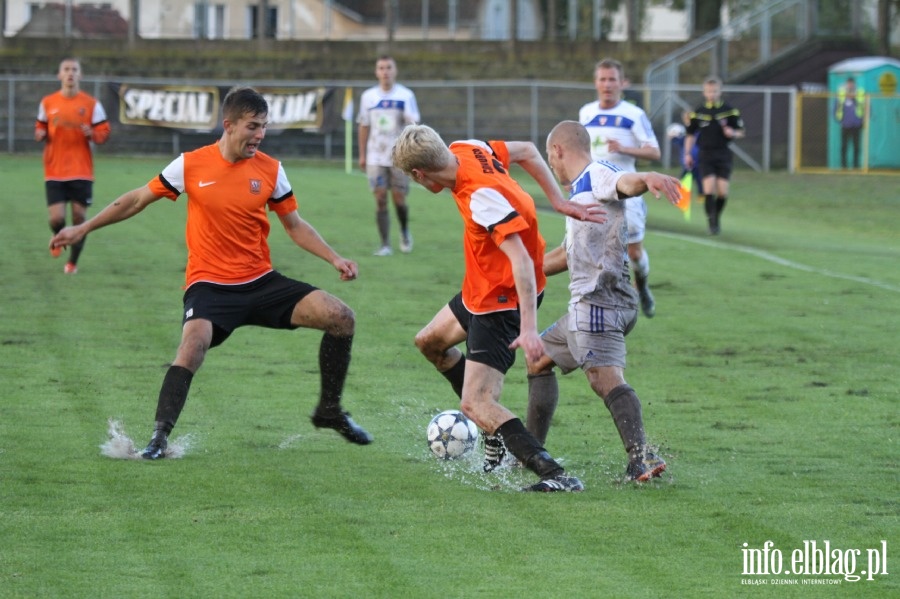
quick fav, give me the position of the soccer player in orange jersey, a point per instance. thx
(67, 122)
(230, 280)
(496, 311)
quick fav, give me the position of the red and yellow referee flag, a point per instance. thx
(684, 203)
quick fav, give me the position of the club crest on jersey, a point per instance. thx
(255, 186)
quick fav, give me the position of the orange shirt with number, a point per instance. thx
(493, 206)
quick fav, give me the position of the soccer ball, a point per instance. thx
(451, 435)
(675, 130)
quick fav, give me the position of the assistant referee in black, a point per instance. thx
(713, 125)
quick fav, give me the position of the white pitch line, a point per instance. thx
(778, 260)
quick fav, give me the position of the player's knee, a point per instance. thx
(470, 410)
(343, 321)
(434, 349)
(425, 343)
(542, 367)
(635, 252)
(381, 200)
(191, 354)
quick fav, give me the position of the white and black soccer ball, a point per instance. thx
(675, 130)
(451, 435)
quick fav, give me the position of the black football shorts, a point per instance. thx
(266, 302)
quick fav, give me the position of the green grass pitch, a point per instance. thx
(768, 378)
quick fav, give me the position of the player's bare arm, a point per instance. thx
(555, 261)
(732, 133)
(644, 152)
(689, 142)
(363, 135)
(125, 206)
(634, 184)
(307, 238)
(526, 288)
(526, 155)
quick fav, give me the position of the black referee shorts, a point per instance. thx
(715, 163)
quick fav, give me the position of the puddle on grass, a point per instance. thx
(603, 469)
(599, 469)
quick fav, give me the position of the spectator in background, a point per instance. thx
(67, 122)
(384, 110)
(850, 113)
(715, 124)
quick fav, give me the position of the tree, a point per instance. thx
(886, 20)
(707, 15)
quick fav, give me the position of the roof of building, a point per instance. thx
(88, 20)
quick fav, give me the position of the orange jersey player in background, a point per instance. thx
(67, 122)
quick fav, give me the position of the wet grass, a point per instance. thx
(768, 379)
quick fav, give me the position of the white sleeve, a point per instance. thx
(643, 132)
(282, 185)
(174, 173)
(412, 115)
(362, 118)
(604, 181)
(489, 207)
(99, 114)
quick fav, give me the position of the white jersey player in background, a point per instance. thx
(384, 110)
(620, 134)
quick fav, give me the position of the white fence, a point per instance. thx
(513, 110)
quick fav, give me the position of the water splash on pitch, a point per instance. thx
(120, 446)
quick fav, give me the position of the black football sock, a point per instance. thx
(455, 374)
(543, 397)
(527, 450)
(76, 250)
(172, 396)
(334, 362)
(625, 407)
(709, 204)
(403, 217)
(720, 206)
(383, 219)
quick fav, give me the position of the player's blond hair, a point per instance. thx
(420, 146)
